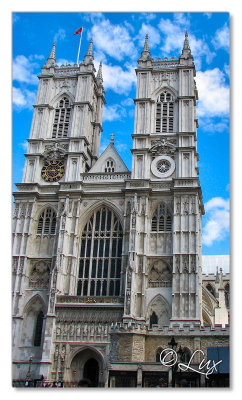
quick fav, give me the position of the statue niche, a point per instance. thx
(39, 276)
(159, 274)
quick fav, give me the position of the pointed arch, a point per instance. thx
(100, 253)
(62, 116)
(33, 321)
(62, 93)
(47, 221)
(161, 218)
(165, 111)
(160, 306)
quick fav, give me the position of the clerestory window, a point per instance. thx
(165, 113)
(47, 222)
(161, 220)
(62, 118)
(100, 255)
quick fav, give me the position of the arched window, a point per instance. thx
(153, 319)
(211, 289)
(62, 118)
(161, 220)
(38, 329)
(158, 353)
(227, 295)
(109, 166)
(100, 255)
(184, 354)
(47, 222)
(165, 113)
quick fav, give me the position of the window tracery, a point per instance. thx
(47, 222)
(165, 113)
(161, 220)
(100, 255)
(62, 118)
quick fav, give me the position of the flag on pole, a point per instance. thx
(78, 31)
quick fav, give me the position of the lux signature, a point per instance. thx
(168, 358)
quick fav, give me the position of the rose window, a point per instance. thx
(163, 166)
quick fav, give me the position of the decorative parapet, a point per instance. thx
(159, 64)
(67, 69)
(64, 300)
(191, 329)
(103, 177)
(192, 182)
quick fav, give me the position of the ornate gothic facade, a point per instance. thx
(107, 262)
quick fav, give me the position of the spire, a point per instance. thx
(145, 55)
(51, 59)
(186, 51)
(99, 75)
(89, 56)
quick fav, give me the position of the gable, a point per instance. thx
(109, 161)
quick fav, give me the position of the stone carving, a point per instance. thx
(159, 274)
(39, 277)
(54, 151)
(163, 146)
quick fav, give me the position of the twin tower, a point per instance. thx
(94, 244)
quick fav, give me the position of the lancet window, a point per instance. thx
(100, 255)
(47, 222)
(38, 329)
(62, 118)
(165, 113)
(161, 220)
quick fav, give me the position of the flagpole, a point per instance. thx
(79, 47)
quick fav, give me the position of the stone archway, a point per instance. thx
(88, 364)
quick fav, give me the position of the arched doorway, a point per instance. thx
(91, 371)
(87, 364)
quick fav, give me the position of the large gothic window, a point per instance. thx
(62, 118)
(165, 113)
(47, 222)
(100, 255)
(161, 220)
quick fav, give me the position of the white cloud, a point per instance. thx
(213, 93)
(174, 35)
(23, 98)
(60, 35)
(221, 38)
(113, 112)
(217, 226)
(127, 102)
(208, 14)
(24, 70)
(24, 145)
(118, 79)
(212, 126)
(154, 35)
(113, 40)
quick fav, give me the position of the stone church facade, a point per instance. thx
(107, 264)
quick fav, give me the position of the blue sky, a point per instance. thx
(118, 40)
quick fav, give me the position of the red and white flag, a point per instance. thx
(78, 31)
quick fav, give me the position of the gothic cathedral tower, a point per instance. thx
(64, 143)
(164, 275)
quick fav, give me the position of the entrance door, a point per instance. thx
(91, 371)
